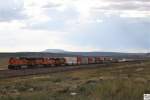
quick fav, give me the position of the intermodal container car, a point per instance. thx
(99, 60)
(84, 60)
(91, 60)
(71, 60)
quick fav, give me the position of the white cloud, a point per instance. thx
(88, 12)
(31, 25)
(15, 24)
(135, 14)
(11, 10)
(31, 40)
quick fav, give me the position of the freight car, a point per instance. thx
(31, 62)
(70, 60)
(99, 60)
(91, 60)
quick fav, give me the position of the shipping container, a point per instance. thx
(107, 59)
(84, 60)
(99, 59)
(79, 60)
(91, 60)
(71, 60)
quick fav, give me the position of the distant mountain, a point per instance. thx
(55, 51)
(96, 53)
(112, 54)
(148, 54)
(33, 54)
(63, 53)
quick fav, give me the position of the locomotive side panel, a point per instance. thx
(60, 61)
(49, 62)
(16, 63)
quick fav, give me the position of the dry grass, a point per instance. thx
(3, 63)
(116, 82)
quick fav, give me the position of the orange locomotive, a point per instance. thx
(26, 62)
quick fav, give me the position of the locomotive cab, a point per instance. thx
(14, 63)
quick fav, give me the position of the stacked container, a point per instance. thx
(99, 60)
(79, 60)
(107, 59)
(82, 60)
(71, 60)
(91, 60)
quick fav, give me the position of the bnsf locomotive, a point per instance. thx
(32, 62)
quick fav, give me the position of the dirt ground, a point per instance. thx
(3, 63)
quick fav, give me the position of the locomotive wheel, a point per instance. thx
(17, 67)
(11, 67)
(14, 67)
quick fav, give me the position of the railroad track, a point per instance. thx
(24, 72)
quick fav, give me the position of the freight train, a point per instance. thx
(34, 62)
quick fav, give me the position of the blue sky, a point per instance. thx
(75, 25)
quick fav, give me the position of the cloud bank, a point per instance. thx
(77, 25)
